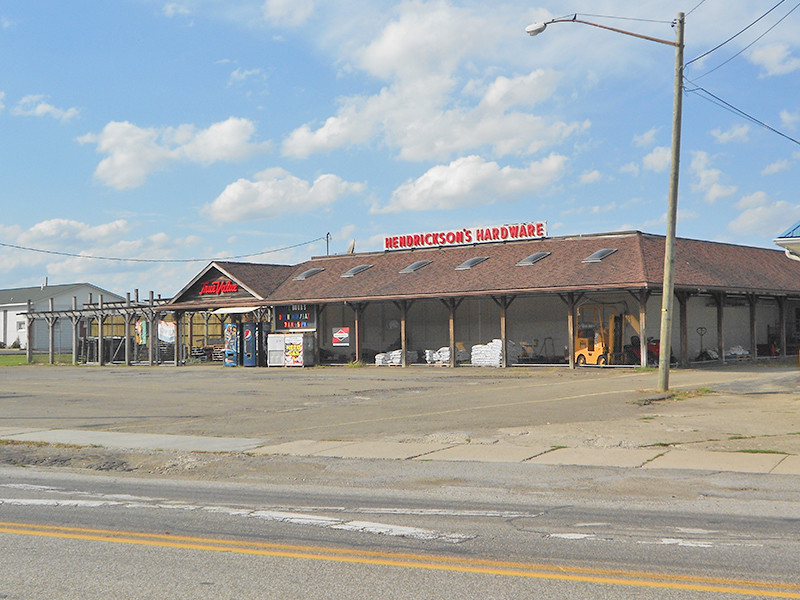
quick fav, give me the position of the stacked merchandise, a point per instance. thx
(431, 356)
(491, 354)
(442, 355)
(394, 358)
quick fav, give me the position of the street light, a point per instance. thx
(672, 206)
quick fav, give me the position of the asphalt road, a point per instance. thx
(237, 526)
(70, 536)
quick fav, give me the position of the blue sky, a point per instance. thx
(196, 129)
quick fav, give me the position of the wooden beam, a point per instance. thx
(752, 301)
(683, 301)
(782, 324)
(719, 299)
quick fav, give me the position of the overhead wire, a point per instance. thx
(717, 47)
(706, 95)
(156, 260)
(696, 7)
(796, 6)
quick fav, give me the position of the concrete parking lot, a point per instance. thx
(738, 417)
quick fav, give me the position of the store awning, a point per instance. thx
(235, 310)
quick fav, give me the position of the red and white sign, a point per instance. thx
(218, 287)
(341, 336)
(466, 236)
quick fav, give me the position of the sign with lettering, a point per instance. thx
(341, 336)
(467, 236)
(295, 317)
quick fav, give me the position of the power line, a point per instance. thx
(735, 35)
(625, 18)
(696, 7)
(796, 6)
(706, 95)
(156, 260)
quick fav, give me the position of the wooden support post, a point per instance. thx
(126, 316)
(317, 316)
(752, 300)
(177, 317)
(151, 335)
(358, 309)
(51, 338)
(719, 299)
(644, 295)
(683, 301)
(100, 320)
(30, 319)
(782, 324)
(76, 319)
(571, 328)
(504, 302)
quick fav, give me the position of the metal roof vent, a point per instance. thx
(599, 255)
(310, 273)
(468, 264)
(356, 270)
(415, 266)
(533, 258)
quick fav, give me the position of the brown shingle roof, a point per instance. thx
(638, 263)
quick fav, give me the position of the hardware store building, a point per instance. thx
(537, 300)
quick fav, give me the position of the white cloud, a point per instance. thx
(708, 179)
(776, 167)
(763, 217)
(424, 110)
(591, 176)
(775, 59)
(658, 160)
(790, 120)
(172, 9)
(411, 118)
(34, 105)
(274, 192)
(631, 168)
(240, 75)
(737, 133)
(646, 139)
(2, 97)
(471, 181)
(135, 152)
(288, 12)
(54, 232)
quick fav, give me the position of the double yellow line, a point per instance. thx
(415, 561)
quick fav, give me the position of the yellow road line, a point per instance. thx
(415, 561)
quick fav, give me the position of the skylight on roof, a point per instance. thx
(310, 273)
(468, 264)
(356, 270)
(415, 266)
(599, 255)
(792, 232)
(533, 258)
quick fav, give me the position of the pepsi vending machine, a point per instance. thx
(231, 345)
(250, 349)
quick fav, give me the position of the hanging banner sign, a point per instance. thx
(466, 236)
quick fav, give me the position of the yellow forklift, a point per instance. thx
(601, 334)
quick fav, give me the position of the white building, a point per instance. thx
(13, 325)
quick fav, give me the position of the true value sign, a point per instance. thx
(471, 235)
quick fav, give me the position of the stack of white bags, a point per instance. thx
(442, 355)
(491, 354)
(394, 358)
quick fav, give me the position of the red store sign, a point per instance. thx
(467, 235)
(218, 287)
